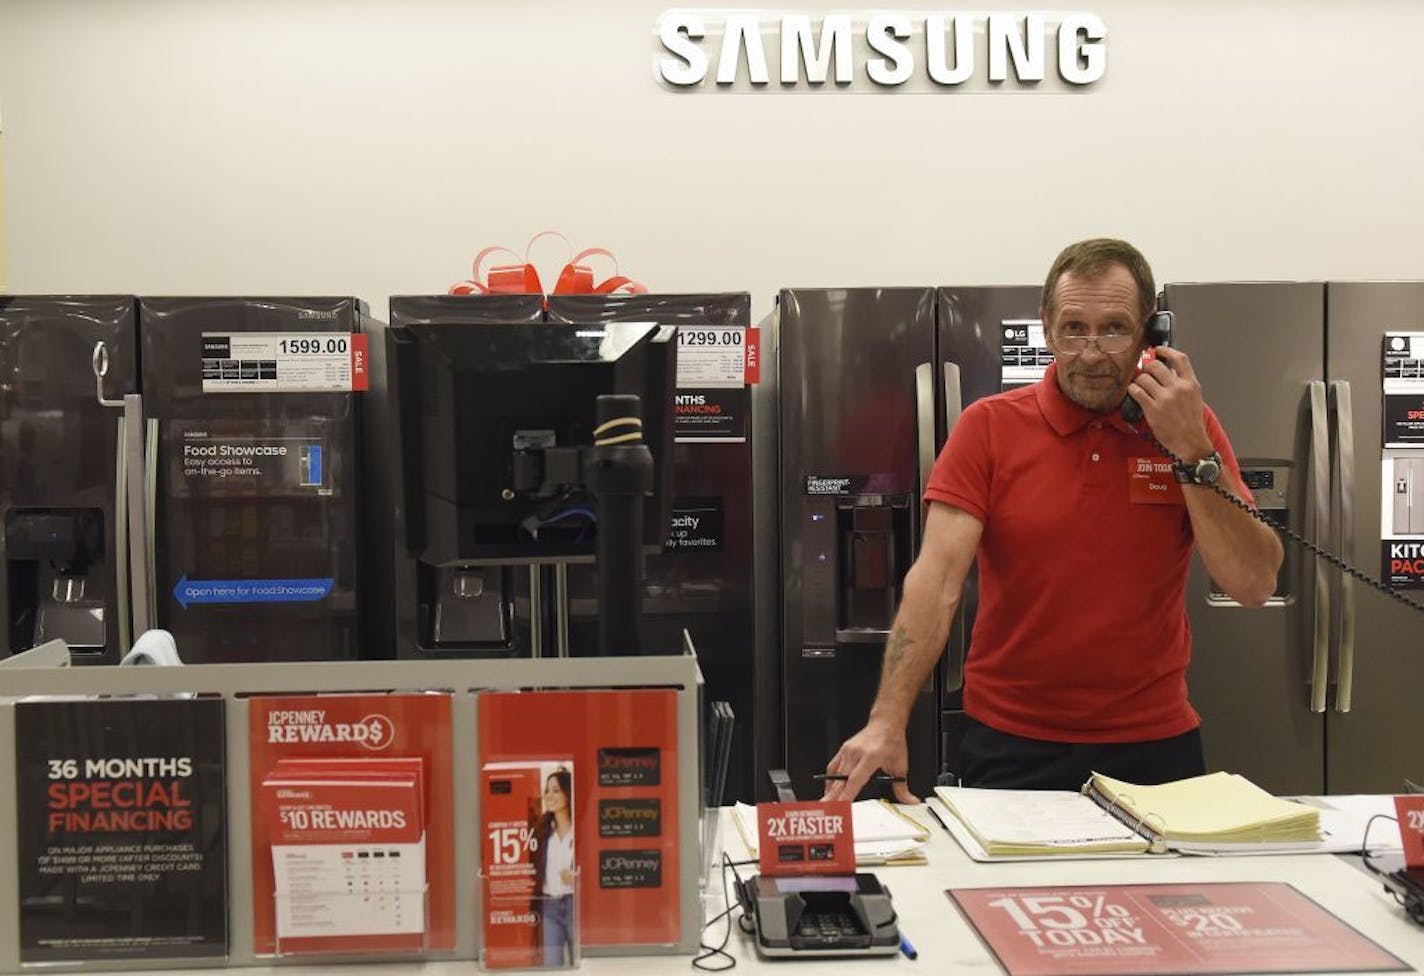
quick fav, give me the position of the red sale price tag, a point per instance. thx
(1411, 828)
(753, 360)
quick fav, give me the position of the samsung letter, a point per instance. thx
(886, 35)
(797, 45)
(1005, 41)
(679, 34)
(940, 71)
(1082, 58)
(742, 29)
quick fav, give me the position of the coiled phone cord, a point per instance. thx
(1323, 553)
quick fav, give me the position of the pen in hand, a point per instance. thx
(841, 777)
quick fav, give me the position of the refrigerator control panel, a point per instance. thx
(1269, 483)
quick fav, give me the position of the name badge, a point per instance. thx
(1150, 482)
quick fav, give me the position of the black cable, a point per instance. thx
(1413, 906)
(726, 959)
(1325, 554)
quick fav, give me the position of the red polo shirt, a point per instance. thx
(1081, 633)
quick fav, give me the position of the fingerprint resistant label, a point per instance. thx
(630, 818)
(629, 767)
(630, 869)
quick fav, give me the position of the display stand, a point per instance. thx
(236, 683)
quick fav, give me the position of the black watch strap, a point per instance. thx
(1203, 472)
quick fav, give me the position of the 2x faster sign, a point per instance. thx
(942, 50)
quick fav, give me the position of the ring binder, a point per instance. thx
(1217, 813)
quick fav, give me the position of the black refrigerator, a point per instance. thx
(62, 473)
(253, 417)
(703, 580)
(869, 382)
(436, 611)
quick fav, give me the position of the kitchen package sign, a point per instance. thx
(121, 845)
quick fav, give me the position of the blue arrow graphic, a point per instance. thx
(187, 591)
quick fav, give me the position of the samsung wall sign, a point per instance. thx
(880, 50)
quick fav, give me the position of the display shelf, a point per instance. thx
(236, 683)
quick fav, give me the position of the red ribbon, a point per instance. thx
(522, 278)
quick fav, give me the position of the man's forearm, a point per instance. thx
(1241, 553)
(917, 638)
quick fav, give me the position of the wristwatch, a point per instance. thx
(1203, 472)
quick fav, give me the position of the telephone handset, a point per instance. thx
(1157, 333)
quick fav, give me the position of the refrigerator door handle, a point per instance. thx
(953, 397)
(924, 426)
(1320, 512)
(953, 407)
(122, 597)
(143, 502)
(1345, 464)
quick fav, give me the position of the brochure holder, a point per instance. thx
(237, 685)
(542, 930)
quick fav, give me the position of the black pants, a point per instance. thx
(997, 760)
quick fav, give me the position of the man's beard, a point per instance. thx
(1099, 396)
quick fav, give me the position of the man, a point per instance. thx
(1084, 538)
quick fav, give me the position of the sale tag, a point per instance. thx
(1411, 827)
(278, 362)
(1150, 482)
(810, 837)
(712, 356)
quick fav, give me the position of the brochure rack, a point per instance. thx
(462, 678)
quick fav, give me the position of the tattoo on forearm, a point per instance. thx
(895, 650)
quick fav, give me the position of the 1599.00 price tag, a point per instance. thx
(274, 362)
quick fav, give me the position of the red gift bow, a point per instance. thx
(576, 278)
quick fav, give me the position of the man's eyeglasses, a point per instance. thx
(1110, 344)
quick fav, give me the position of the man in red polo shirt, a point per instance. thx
(1083, 530)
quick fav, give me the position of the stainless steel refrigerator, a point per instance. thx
(869, 382)
(1315, 692)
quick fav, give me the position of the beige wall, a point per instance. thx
(370, 147)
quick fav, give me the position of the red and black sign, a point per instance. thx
(638, 766)
(711, 414)
(630, 869)
(633, 817)
(122, 829)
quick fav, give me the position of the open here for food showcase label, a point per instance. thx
(811, 837)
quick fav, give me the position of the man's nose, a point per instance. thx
(1093, 353)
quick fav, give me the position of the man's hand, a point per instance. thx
(1171, 399)
(875, 748)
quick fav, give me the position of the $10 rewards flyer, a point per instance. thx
(352, 823)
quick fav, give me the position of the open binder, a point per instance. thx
(1219, 813)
